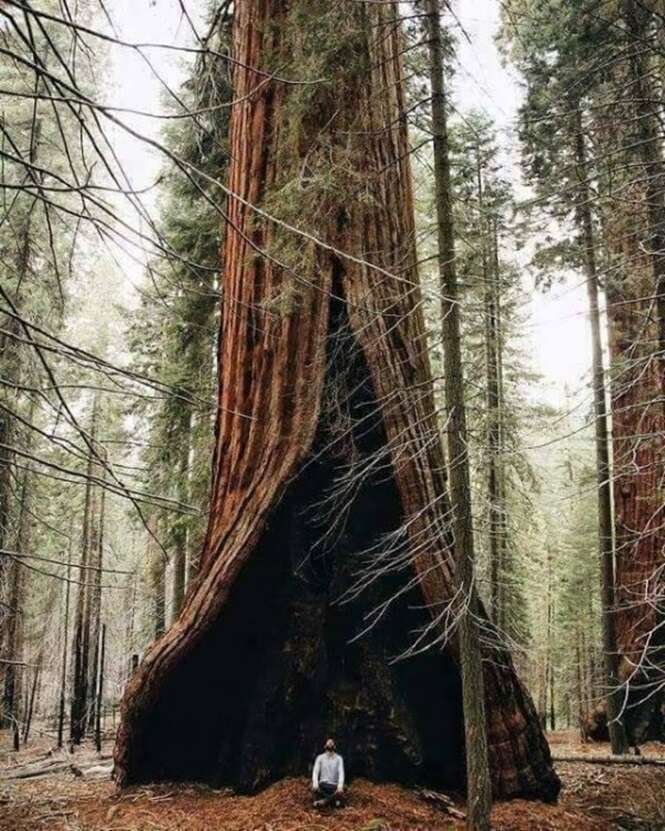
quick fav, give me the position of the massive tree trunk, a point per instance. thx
(636, 316)
(638, 430)
(327, 453)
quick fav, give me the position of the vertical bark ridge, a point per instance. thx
(638, 432)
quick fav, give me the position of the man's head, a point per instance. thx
(330, 745)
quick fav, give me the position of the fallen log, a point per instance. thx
(612, 760)
(441, 802)
(92, 766)
(93, 771)
(32, 771)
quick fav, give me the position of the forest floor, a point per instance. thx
(75, 793)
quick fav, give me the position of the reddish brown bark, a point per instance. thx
(638, 426)
(634, 236)
(629, 150)
(243, 698)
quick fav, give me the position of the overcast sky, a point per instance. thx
(557, 324)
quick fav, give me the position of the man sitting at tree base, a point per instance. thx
(328, 777)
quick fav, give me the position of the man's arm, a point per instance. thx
(315, 773)
(340, 778)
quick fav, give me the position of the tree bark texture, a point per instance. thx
(636, 317)
(479, 785)
(323, 370)
(157, 580)
(638, 431)
(495, 450)
(18, 592)
(14, 672)
(617, 734)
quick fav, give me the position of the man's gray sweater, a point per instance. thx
(329, 768)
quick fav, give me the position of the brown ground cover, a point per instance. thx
(594, 798)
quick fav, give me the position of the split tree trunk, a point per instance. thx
(324, 381)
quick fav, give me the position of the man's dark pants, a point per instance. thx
(327, 792)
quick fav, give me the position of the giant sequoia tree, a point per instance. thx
(328, 475)
(636, 313)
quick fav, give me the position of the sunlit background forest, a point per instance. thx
(114, 154)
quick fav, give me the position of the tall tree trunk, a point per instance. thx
(495, 484)
(638, 344)
(635, 238)
(504, 551)
(94, 578)
(199, 459)
(30, 709)
(11, 359)
(552, 699)
(81, 690)
(260, 666)
(14, 672)
(612, 691)
(479, 786)
(547, 652)
(157, 579)
(18, 582)
(130, 616)
(579, 688)
(549, 677)
(180, 531)
(99, 690)
(640, 26)
(65, 641)
(11, 368)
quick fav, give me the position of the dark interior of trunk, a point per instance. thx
(280, 671)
